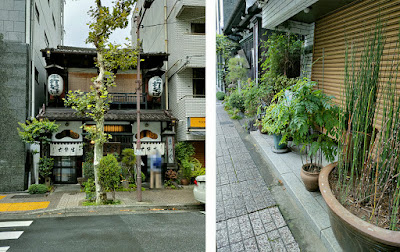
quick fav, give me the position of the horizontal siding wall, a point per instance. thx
(348, 28)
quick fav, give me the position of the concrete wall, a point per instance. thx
(21, 51)
(12, 20)
(14, 104)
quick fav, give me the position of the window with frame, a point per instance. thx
(199, 82)
(37, 13)
(198, 28)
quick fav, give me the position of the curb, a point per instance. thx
(101, 210)
(313, 209)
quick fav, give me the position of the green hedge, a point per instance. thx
(37, 189)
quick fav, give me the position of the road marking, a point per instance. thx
(4, 249)
(25, 206)
(2, 197)
(11, 235)
(15, 224)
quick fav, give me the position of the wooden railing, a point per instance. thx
(128, 99)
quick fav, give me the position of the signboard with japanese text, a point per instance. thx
(148, 148)
(55, 85)
(170, 149)
(66, 149)
(197, 122)
(155, 86)
(149, 131)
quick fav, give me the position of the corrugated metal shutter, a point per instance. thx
(351, 23)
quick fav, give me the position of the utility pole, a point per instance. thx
(146, 5)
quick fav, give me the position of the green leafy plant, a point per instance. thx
(224, 49)
(90, 189)
(277, 116)
(128, 164)
(183, 151)
(46, 165)
(37, 189)
(282, 55)
(220, 96)
(235, 100)
(109, 173)
(311, 112)
(236, 71)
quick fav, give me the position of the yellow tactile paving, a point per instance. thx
(2, 196)
(26, 206)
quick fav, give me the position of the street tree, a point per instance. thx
(110, 58)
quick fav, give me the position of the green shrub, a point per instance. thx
(37, 189)
(90, 189)
(236, 100)
(46, 166)
(220, 95)
(128, 164)
(109, 172)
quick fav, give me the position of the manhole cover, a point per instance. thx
(28, 196)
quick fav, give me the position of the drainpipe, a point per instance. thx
(166, 51)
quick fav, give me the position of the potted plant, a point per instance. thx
(362, 190)
(311, 111)
(276, 121)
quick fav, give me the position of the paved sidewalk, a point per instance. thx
(67, 200)
(247, 216)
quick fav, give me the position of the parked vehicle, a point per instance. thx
(199, 190)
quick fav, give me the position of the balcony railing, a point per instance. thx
(128, 99)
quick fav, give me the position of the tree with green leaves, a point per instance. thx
(35, 131)
(110, 58)
(224, 49)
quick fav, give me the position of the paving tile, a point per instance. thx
(286, 235)
(222, 238)
(273, 235)
(224, 249)
(250, 245)
(235, 237)
(277, 217)
(263, 243)
(292, 247)
(278, 245)
(237, 247)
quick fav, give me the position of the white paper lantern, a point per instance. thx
(155, 86)
(55, 85)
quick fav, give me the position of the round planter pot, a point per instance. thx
(279, 148)
(352, 233)
(310, 179)
(184, 181)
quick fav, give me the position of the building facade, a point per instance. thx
(25, 28)
(178, 28)
(75, 67)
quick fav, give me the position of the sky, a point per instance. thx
(76, 19)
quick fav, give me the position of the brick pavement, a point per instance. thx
(247, 216)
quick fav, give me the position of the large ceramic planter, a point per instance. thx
(310, 179)
(352, 233)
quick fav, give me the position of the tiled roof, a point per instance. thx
(68, 114)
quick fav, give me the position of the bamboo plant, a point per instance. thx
(369, 164)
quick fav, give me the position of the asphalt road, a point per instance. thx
(155, 231)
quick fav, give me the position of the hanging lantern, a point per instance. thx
(155, 86)
(55, 85)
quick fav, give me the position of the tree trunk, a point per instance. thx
(98, 145)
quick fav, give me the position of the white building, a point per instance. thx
(178, 28)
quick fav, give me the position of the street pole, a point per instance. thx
(146, 5)
(138, 87)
